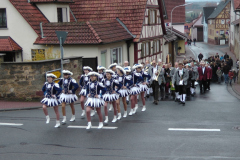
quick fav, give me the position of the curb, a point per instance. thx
(233, 88)
(29, 108)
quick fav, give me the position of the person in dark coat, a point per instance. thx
(226, 56)
(200, 57)
(189, 80)
(194, 41)
(214, 72)
(226, 70)
(230, 62)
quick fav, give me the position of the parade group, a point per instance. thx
(108, 87)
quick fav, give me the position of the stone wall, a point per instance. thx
(24, 80)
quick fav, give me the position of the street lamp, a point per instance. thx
(177, 7)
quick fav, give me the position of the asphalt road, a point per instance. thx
(144, 136)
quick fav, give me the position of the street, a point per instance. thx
(145, 135)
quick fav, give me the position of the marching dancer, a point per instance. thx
(143, 85)
(68, 94)
(101, 73)
(94, 90)
(111, 95)
(124, 91)
(83, 83)
(51, 91)
(181, 78)
(114, 76)
(135, 89)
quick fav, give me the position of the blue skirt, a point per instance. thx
(94, 102)
(68, 98)
(83, 92)
(50, 102)
(110, 97)
(124, 92)
(135, 90)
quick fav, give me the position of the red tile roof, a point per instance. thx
(236, 4)
(50, 1)
(7, 44)
(30, 13)
(130, 12)
(94, 32)
(178, 13)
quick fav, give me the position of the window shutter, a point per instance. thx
(149, 16)
(142, 48)
(156, 17)
(149, 47)
(154, 49)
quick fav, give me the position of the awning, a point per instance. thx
(235, 22)
(7, 44)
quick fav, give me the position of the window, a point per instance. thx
(152, 16)
(3, 18)
(222, 21)
(38, 54)
(62, 15)
(116, 55)
(222, 32)
(143, 50)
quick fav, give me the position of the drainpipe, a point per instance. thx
(41, 29)
(128, 46)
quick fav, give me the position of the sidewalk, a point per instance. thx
(8, 105)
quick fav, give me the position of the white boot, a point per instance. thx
(114, 119)
(131, 112)
(111, 107)
(73, 118)
(83, 114)
(144, 108)
(106, 119)
(92, 112)
(100, 126)
(184, 97)
(119, 116)
(136, 106)
(89, 125)
(57, 124)
(125, 114)
(47, 119)
(64, 120)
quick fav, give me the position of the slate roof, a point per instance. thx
(178, 15)
(7, 44)
(207, 11)
(130, 12)
(51, 1)
(90, 32)
(30, 13)
(219, 9)
(177, 33)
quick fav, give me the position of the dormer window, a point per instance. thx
(3, 18)
(62, 14)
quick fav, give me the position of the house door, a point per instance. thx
(199, 34)
(91, 62)
(103, 58)
(9, 57)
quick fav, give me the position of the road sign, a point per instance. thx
(65, 61)
(61, 34)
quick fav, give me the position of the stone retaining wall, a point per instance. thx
(24, 80)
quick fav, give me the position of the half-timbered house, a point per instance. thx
(218, 24)
(143, 19)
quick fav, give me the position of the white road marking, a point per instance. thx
(11, 124)
(94, 127)
(194, 129)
